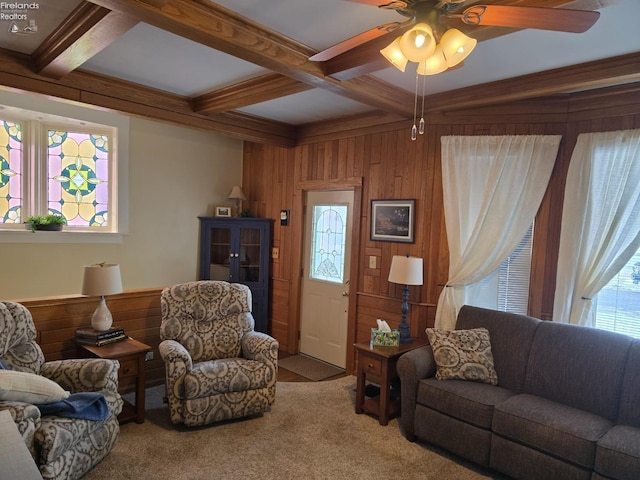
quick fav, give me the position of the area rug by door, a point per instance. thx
(309, 367)
(311, 432)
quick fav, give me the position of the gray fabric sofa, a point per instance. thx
(566, 406)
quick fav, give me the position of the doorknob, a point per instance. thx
(345, 294)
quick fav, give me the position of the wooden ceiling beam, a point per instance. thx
(210, 24)
(86, 31)
(256, 90)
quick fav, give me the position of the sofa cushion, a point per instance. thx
(580, 367)
(559, 430)
(29, 388)
(618, 453)
(511, 337)
(224, 376)
(472, 402)
(463, 355)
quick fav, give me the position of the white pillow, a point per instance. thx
(29, 388)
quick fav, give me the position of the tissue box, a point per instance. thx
(380, 338)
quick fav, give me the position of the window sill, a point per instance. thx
(17, 236)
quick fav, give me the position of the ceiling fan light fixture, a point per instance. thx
(433, 65)
(418, 43)
(456, 46)
(394, 55)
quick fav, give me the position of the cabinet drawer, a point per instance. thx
(371, 365)
(128, 368)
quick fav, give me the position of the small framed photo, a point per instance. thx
(223, 212)
(392, 220)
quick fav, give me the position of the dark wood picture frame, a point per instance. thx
(393, 220)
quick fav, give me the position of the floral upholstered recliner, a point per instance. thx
(217, 366)
(63, 448)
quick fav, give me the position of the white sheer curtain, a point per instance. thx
(600, 220)
(493, 186)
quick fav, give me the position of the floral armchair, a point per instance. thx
(217, 366)
(62, 447)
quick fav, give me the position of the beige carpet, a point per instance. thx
(311, 432)
(309, 367)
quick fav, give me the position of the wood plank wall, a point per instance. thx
(137, 311)
(389, 165)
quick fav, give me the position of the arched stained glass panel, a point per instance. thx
(328, 238)
(11, 155)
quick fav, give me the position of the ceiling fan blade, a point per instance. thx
(353, 42)
(558, 19)
(382, 3)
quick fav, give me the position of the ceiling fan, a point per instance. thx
(440, 14)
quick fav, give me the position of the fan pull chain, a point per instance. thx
(424, 88)
(414, 129)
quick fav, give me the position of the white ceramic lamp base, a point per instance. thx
(101, 319)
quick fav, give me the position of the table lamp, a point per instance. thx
(405, 270)
(237, 196)
(99, 280)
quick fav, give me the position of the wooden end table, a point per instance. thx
(378, 365)
(131, 355)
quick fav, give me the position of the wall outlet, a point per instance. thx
(372, 261)
(275, 253)
(148, 356)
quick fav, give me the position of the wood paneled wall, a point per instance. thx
(389, 165)
(137, 311)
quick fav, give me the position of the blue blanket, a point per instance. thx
(85, 405)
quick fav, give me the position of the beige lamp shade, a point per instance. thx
(101, 279)
(236, 193)
(406, 270)
(394, 55)
(456, 46)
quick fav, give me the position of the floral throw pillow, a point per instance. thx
(463, 355)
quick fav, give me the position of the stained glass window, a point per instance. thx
(78, 177)
(10, 172)
(328, 242)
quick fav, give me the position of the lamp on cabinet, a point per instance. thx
(237, 196)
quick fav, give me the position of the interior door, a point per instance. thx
(325, 280)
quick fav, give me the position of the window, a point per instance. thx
(328, 239)
(507, 288)
(64, 168)
(618, 303)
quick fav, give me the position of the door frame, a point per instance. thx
(297, 218)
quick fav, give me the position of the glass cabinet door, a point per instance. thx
(249, 268)
(220, 251)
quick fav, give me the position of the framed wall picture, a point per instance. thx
(392, 220)
(223, 212)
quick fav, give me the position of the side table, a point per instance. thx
(131, 355)
(378, 365)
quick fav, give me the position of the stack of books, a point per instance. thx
(89, 336)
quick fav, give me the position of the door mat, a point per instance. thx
(309, 367)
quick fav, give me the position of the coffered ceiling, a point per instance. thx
(245, 62)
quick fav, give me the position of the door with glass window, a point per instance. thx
(325, 280)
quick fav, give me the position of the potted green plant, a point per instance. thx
(46, 222)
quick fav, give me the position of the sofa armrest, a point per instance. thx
(177, 362)
(262, 348)
(87, 375)
(412, 367)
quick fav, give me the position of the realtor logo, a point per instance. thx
(28, 29)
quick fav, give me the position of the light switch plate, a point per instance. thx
(372, 261)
